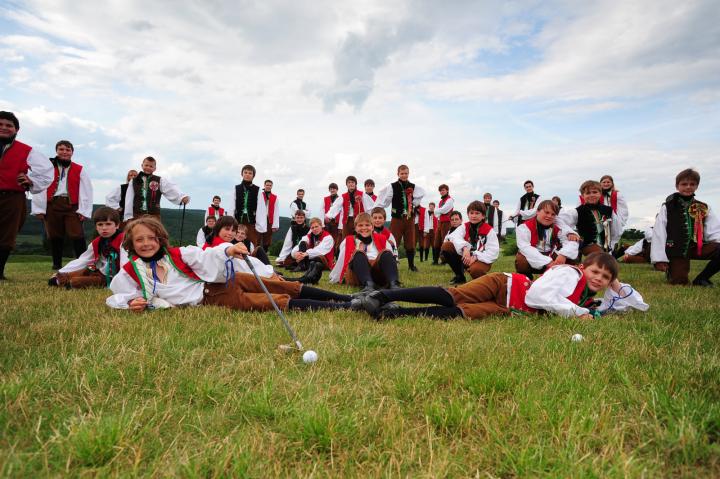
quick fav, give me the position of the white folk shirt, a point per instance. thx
(85, 194)
(550, 292)
(528, 213)
(178, 289)
(287, 247)
(371, 253)
(446, 208)
(169, 190)
(321, 249)
(384, 198)
(637, 247)
(86, 259)
(568, 218)
(40, 171)
(538, 258)
(427, 221)
(711, 234)
(487, 253)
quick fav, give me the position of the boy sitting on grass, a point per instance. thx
(161, 276)
(103, 258)
(563, 290)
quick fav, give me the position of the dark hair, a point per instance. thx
(369, 182)
(223, 222)
(687, 174)
(351, 178)
(403, 167)
(443, 186)
(150, 159)
(431, 203)
(559, 201)
(333, 185)
(487, 194)
(378, 210)
(549, 204)
(590, 184)
(300, 190)
(268, 181)
(496, 201)
(528, 181)
(216, 196)
(64, 143)
(248, 168)
(105, 213)
(151, 223)
(299, 212)
(605, 261)
(456, 213)
(210, 217)
(477, 206)
(10, 116)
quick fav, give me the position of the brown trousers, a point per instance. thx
(441, 233)
(482, 297)
(265, 239)
(679, 268)
(419, 236)
(429, 239)
(82, 279)
(61, 219)
(332, 228)
(588, 250)
(475, 270)
(403, 229)
(12, 217)
(245, 294)
(348, 227)
(377, 274)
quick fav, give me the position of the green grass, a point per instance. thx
(203, 392)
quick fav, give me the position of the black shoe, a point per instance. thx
(368, 288)
(413, 268)
(387, 311)
(373, 302)
(395, 285)
(2, 277)
(53, 281)
(356, 303)
(435, 263)
(56, 267)
(703, 282)
(458, 280)
(314, 272)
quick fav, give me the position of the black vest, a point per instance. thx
(527, 203)
(680, 226)
(490, 214)
(251, 206)
(300, 204)
(589, 230)
(298, 232)
(397, 210)
(153, 195)
(123, 194)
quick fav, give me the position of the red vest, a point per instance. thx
(521, 284)
(211, 211)
(270, 203)
(483, 230)
(216, 241)
(73, 183)
(357, 204)
(613, 200)
(446, 217)
(435, 222)
(380, 244)
(13, 162)
(174, 257)
(115, 245)
(330, 255)
(421, 218)
(328, 204)
(534, 239)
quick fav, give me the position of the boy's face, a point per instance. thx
(7, 128)
(496, 204)
(351, 185)
(216, 201)
(210, 223)
(145, 242)
(240, 235)
(592, 196)
(529, 188)
(443, 191)
(606, 183)
(687, 187)
(597, 278)
(487, 199)
(316, 228)
(227, 233)
(404, 174)
(64, 152)
(364, 228)
(546, 216)
(300, 195)
(431, 207)
(369, 189)
(268, 186)
(300, 219)
(248, 175)
(455, 221)
(475, 216)
(333, 191)
(378, 220)
(132, 174)
(148, 167)
(106, 228)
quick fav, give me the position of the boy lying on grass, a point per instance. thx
(160, 276)
(564, 290)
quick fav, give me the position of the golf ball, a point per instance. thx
(576, 338)
(309, 356)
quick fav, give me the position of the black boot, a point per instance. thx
(455, 262)
(411, 260)
(368, 287)
(313, 274)
(4, 255)
(56, 248)
(260, 254)
(436, 255)
(79, 246)
(713, 266)
(422, 250)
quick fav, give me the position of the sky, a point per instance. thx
(481, 95)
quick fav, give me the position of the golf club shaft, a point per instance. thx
(182, 224)
(272, 301)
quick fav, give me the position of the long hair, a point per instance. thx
(151, 223)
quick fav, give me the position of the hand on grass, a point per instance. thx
(138, 305)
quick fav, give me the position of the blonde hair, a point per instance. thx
(315, 220)
(363, 218)
(151, 223)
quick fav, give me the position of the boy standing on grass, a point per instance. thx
(299, 203)
(102, 260)
(527, 204)
(441, 222)
(404, 197)
(21, 169)
(473, 246)
(347, 206)
(249, 205)
(596, 224)
(331, 223)
(67, 202)
(542, 243)
(215, 210)
(369, 197)
(422, 228)
(564, 290)
(686, 229)
(273, 215)
(144, 193)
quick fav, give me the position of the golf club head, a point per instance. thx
(289, 348)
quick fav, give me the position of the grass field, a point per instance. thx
(204, 392)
